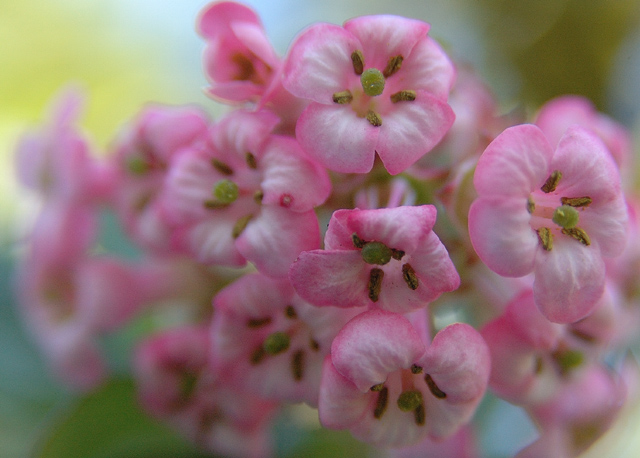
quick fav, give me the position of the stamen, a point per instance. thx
(546, 238)
(552, 182)
(313, 344)
(437, 392)
(415, 369)
(409, 400)
(214, 204)
(373, 118)
(290, 312)
(583, 335)
(579, 234)
(393, 65)
(357, 59)
(372, 81)
(276, 343)
(258, 322)
(251, 161)
(357, 241)
(258, 196)
(377, 387)
(531, 205)
(409, 276)
(566, 216)
(240, 226)
(376, 253)
(381, 402)
(403, 96)
(342, 97)
(297, 365)
(576, 201)
(221, 167)
(419, 415)
(375, 283)
(225, 191)
(257, 356)
(397, 254)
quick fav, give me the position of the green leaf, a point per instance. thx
(110, 424)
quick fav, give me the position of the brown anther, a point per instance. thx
(246, 69)
(290, 312)
(258, 196)
(393, 65)
(552, 182)
(539, 365)
(403, 96)
(214, 204)
(419, 415)
(415, 369)
(342, 97)
(240, 226)
(258, 322)
(437, 392)
(357, 59)
(583, 335)
(546, 238)
(357, 241)
(377, 387)
(579, 234)
(374, 119)
(221, 167)
(531, 205)
(313, 344)
(397, 254)
(576, 201)
(409, 276)
(381, 402)
(375, 283)
(297, 365)
(257, 356)
(250, 159)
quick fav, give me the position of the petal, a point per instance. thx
(385, 36)
(242, 131)
(374, 344)
(291, 179)
(608, 224)
(274, 239)
(210, 241)
(427, 68)
(319, 63)
(336, 137)
(412, 129)
(502, 236)
(216, 18)
(335, 277)
(569, 280)
(515, 163)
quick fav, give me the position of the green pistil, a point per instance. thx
(376, 253)
(566, 216)
(276, 343)
(409, 400)
(225, 191)
(568, 360)
(137, 165)
(372, 81)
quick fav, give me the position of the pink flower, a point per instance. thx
(270, 341)
(141, 162)
(388, 386)
(554, 213)
(239, 60)
(246, 196)
(177, 384)
(377, 85)
(388, 258)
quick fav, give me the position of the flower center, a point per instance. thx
(372, 81)
(225, 191)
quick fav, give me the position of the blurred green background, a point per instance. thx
(126, 53)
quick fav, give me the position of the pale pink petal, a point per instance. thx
(373, 345)
(515, 163)
(385, 36)
(412, 129)
(216, 18)
(502, 236)
(254, 38)
(427, 68)
(557, 115)
(319, 63)
(274, 239)
(337, 137)
(243, 131)
(211, 242)
(607, 224)
(569, 280)
(337, 278)
(291, 179)
(235, 91)
(341, 404)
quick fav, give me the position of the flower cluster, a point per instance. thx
(363, 232)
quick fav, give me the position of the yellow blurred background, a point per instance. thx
(126, 53)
